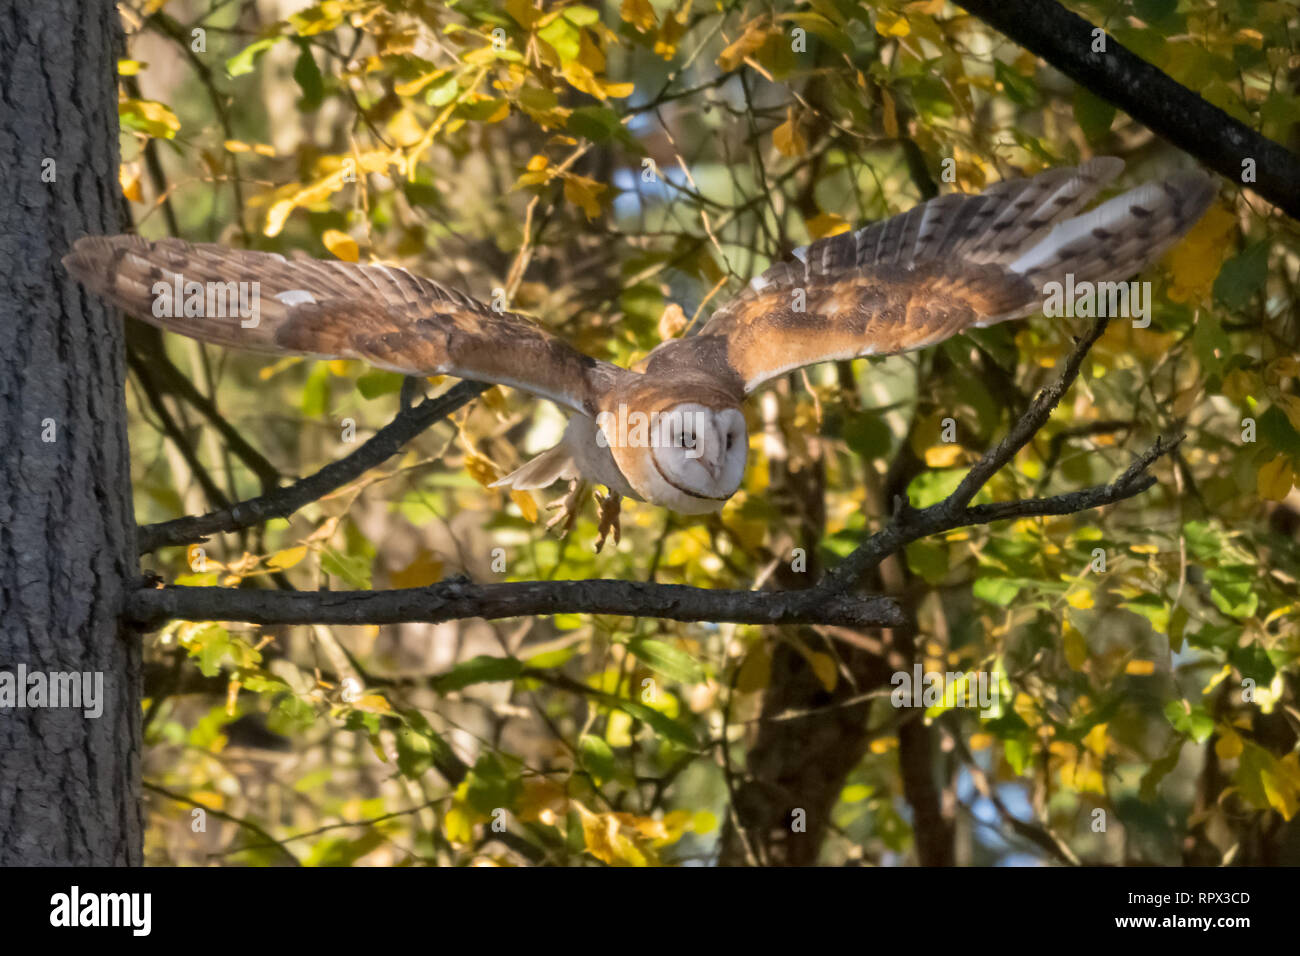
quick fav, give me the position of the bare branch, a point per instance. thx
(285, 501)
(458, 598)
(1148, 94)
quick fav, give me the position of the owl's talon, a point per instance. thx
(609, 518)
(568, 506)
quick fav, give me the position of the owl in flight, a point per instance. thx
(670, 431)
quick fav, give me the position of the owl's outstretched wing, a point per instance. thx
(385, 316)
(955, 262)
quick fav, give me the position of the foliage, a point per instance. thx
(600, 166)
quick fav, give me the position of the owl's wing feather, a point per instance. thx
(949, 264)
(385, 316)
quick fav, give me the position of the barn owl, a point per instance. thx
(671, 431)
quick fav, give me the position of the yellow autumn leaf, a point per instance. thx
(1290, 405)
(1075, 646)
(583, 192)
(671, 321)
(1140, 668)
(374, 702)
(1280, 791)
(527, 506)
(888, 113)
(826, 224)
(1095, 740)
(823, 665)
(411, 87)
(1079, 598)
(604, 838)
(481, 470)
(748, 43)
(341, 245)
(787, 138)
(1228, 746)
(1276, 479)
(128, 175)
(239, 146)
(671, 32)
(889, 24)
(1195, 262)
(639, 13)
(149, 117)
(350, 168)
(424, 569)
(945, 455)
(457, 826)
(287, 558)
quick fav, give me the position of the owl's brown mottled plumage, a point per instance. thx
(949, 264)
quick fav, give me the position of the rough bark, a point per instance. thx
(69, 784)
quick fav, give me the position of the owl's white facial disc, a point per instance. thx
(697, 457)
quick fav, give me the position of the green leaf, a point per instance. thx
(662, 725)
(867, 435)
(596, 757)
(929, 559)
(1253, 662)
(581, 16)
(316, 393)
(1276, 429)
(374, 384)
(492, 784)
(564, 37)
(1232, 589)
(1242, 276)
(1021, 90)
(596, 123)
(670, 661)
(999, 591)
(478, 670)
(441, 92)
(1192, 721)
(242, 62)
(931, 487)
(1153, 10)
(354, 569)
(307, 75)
(1093, 114)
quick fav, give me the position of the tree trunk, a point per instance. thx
(69, 782)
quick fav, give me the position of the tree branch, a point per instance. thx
(285, 501)
(908, 524)
(1146, 93)
(458, 598)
